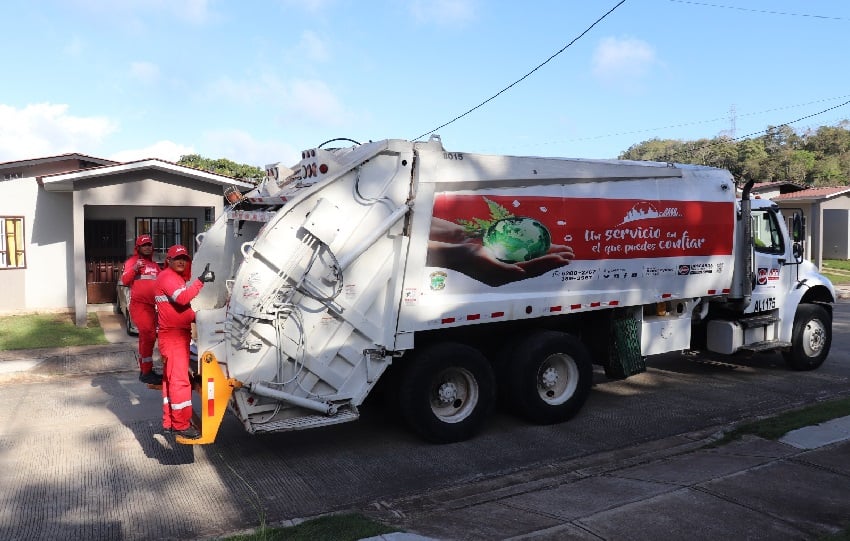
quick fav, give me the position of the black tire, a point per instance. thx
(550, 376)
(128, 326)
(811, 338)
(447, 392)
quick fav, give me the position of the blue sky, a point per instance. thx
(257, 81)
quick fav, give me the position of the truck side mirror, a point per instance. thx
(798, 235)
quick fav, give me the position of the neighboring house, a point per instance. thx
(827, 212)
(68, 222)
(769, 190)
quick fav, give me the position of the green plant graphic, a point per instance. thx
(477, 227)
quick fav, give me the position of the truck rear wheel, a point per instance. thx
(549, 377)
(811, 338)
(446, 392)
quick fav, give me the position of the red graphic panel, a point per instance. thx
(601, 228)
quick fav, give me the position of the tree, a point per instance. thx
(223, 166)
(818, 157)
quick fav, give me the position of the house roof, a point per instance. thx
(814, 194)
(65, 182)
(762, 186)
(57, 158)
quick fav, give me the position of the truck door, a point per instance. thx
(770, 255)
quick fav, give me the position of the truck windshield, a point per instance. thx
(766, 233)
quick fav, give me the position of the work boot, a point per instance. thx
(151, 378)
(190, 433)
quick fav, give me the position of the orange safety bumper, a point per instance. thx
(216, 390)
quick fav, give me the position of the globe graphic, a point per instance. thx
(517, 239)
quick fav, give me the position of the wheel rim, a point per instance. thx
(557, 379)
(814, 338)
(454, 395)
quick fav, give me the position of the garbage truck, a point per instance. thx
(450, 280)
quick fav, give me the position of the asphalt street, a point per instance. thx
(83, 457)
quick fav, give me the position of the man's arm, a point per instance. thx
(183, 293)
(129, 271)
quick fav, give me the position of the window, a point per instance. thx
(766, 234)
(209, 217)
(167, 232)
(12, 254)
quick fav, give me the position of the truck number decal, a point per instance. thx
(763, 305)
(452, 156)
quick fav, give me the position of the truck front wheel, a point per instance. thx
(811, 338)
(446, 392)
(549, 377)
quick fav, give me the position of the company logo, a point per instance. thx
(647, 211)
(438, 280)
(684, 269)
(762, 276)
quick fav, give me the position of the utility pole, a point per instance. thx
(732, 119)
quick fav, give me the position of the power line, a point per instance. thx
(768, 12)
(502, 91)
(693, 123)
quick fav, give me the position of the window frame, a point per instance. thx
(167, 237)
(777, 245)
(20, 239)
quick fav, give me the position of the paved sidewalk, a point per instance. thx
(674, 488)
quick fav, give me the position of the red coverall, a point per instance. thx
(142, 284)
(173, 294)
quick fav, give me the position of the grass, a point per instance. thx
(30, 331)
(777, 426)
(347, 527)
(839, 264)
(837, 270)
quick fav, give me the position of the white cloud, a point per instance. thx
(314, 100)
(241, 147)
(300, 99)
(443, 12)
(145, 72)
(311, 6)
(623, 62)
(193, 11)
(46, 129)
(164, 150)
(75, 47)
(313, 47)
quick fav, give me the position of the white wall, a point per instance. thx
(43, 284)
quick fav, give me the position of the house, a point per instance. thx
(769, 190)
(827, 212)
(68, 222)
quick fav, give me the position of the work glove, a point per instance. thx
(207, 275)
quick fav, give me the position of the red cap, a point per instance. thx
(143, 239)
(176, 251)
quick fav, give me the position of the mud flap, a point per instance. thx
(215, 390)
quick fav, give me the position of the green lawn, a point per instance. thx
(837, 270)
(30, 331)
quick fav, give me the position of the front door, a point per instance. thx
(773, 275)
(105, 254)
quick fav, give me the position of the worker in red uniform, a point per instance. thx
(140, 272)
(174, 291)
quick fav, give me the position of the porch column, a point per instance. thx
(79, 274)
